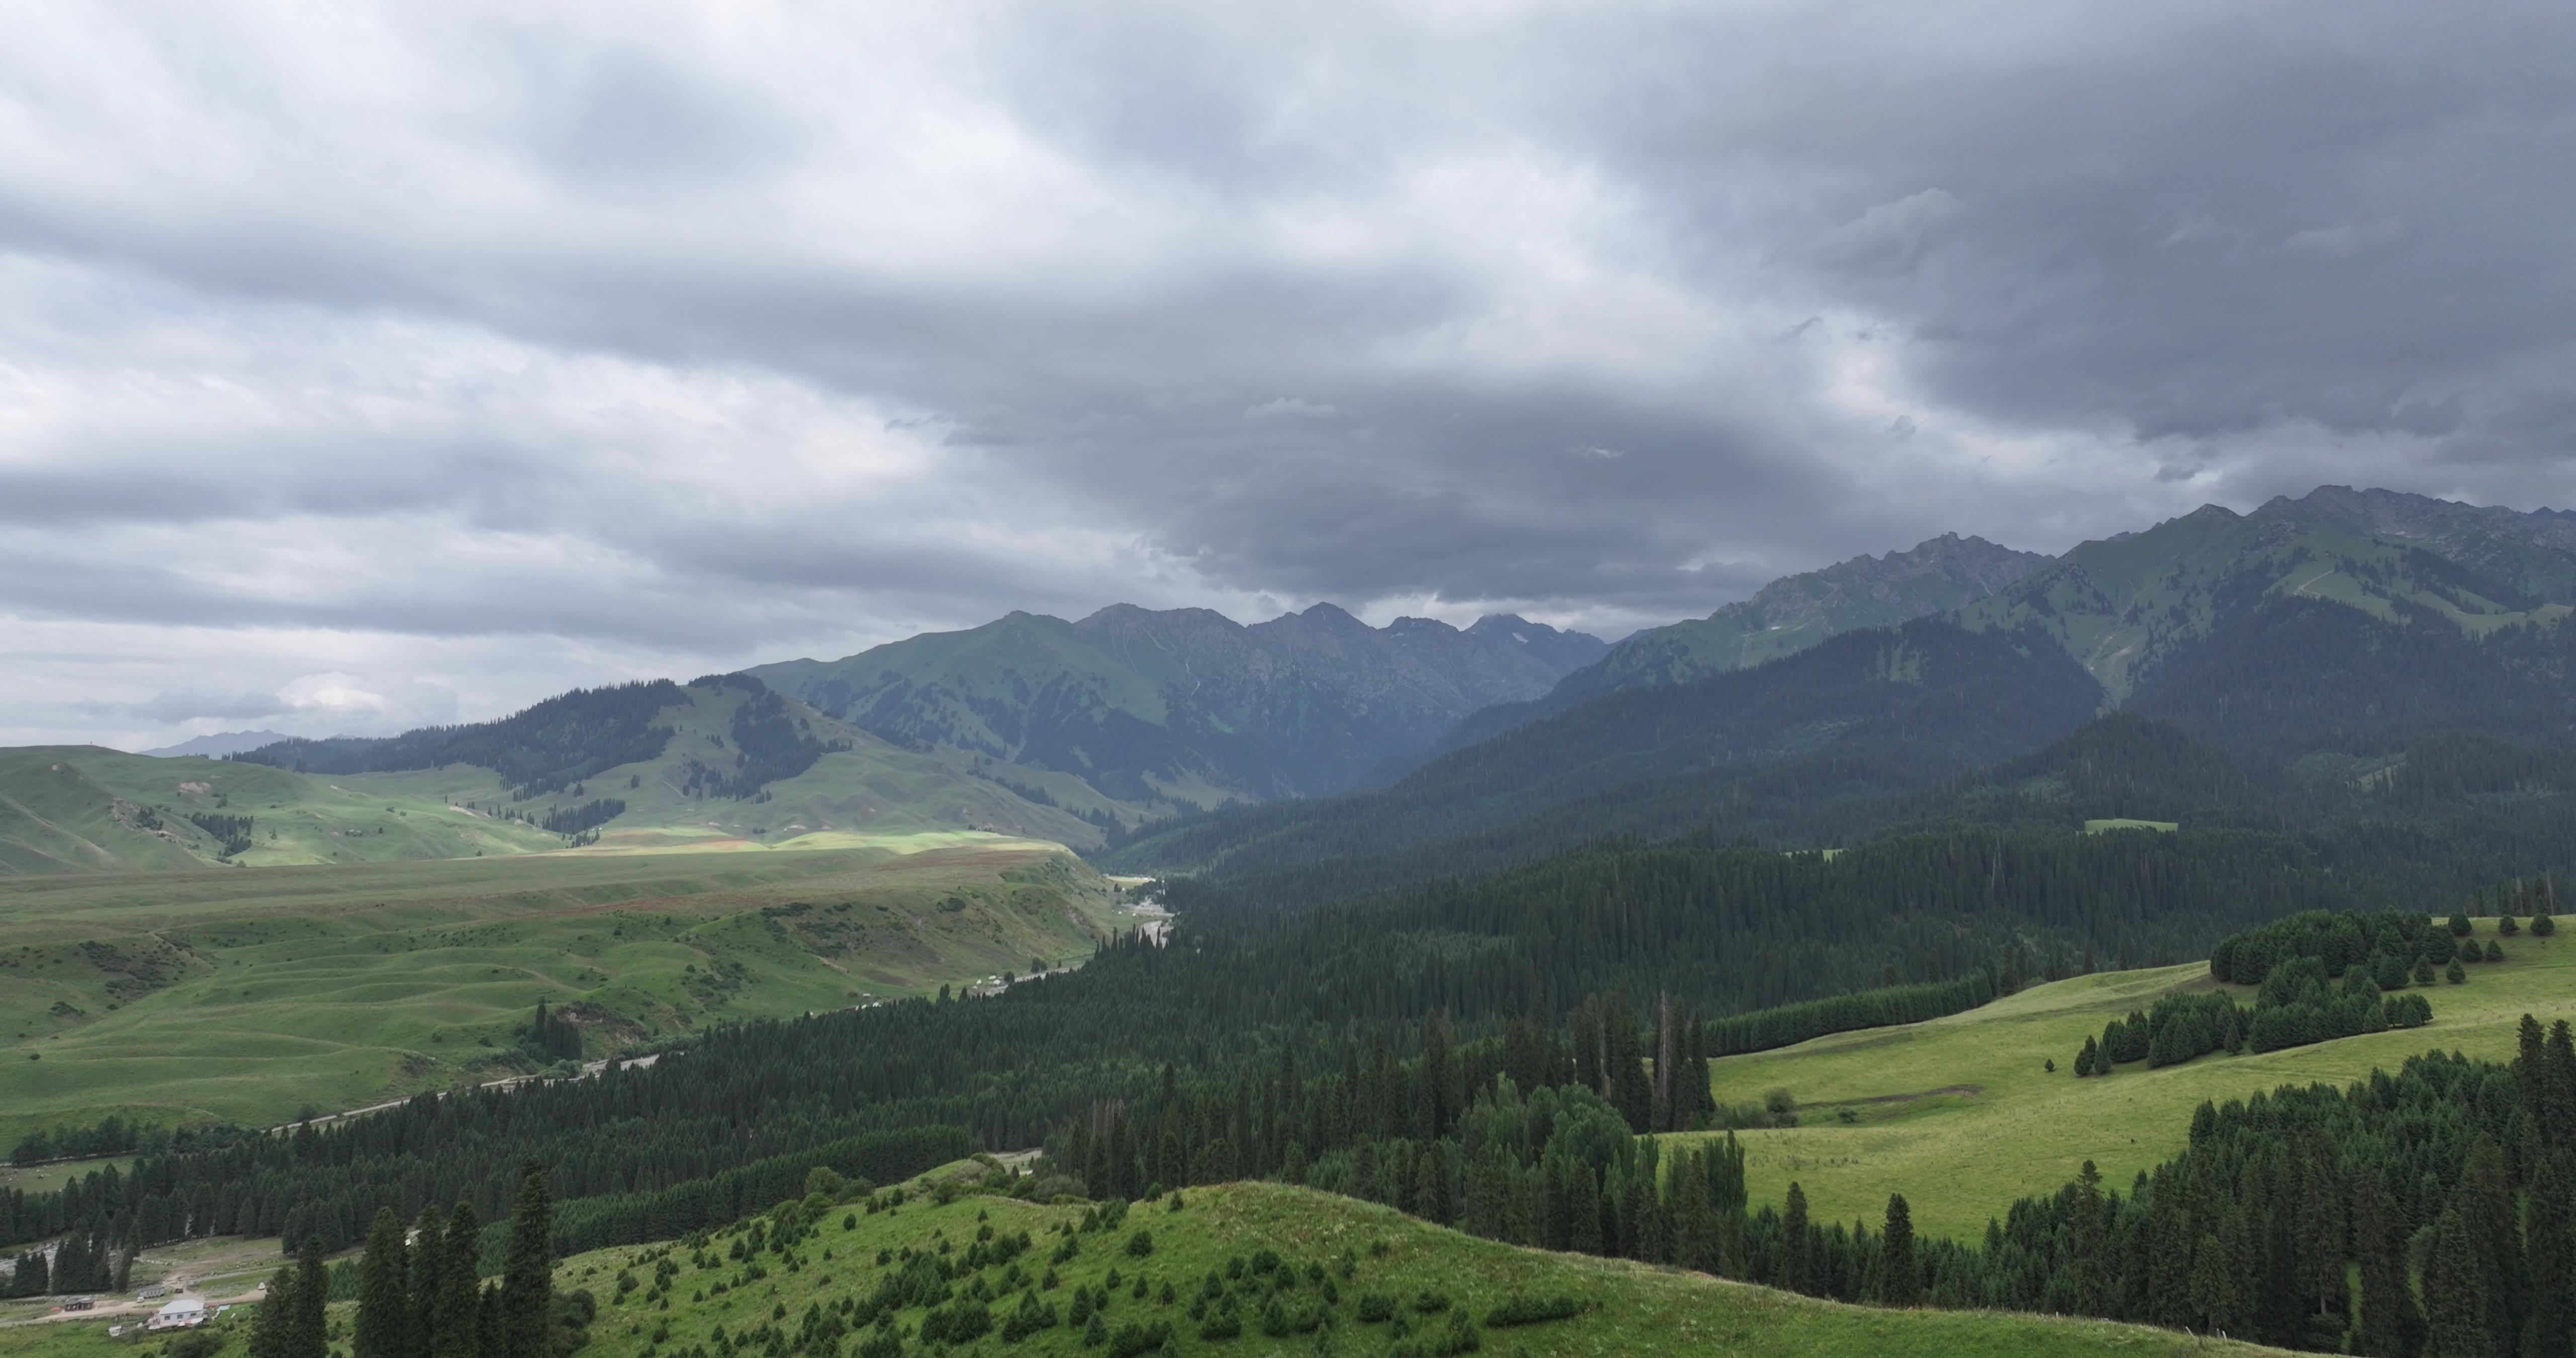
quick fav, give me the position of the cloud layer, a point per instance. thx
(372, 366)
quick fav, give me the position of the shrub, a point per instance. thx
(1225, 1324)
(1520, 1310)
(2455, 975)
(2542, 926)
(2460, 926)
(1375, 1307)
(2495, 953)
(2508, 926)
(1134, 1338)
(1141, 1244)
(1429, 1302)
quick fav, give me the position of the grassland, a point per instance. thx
(1632, 1309)
(1960, 1115)
(252, 994)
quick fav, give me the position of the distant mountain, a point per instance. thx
(1187, 708)
(1805, 750)
(218, 745)
(1784, 617)
(2122, 606)
(2385, 668)
(1795, 612)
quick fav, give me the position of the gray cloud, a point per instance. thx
(335, 342)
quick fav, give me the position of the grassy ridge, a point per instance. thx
(251, 994)
(1960, 1115)
(1631, 1308)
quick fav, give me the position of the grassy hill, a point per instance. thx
(249, 994)
(1628, 1308)
(1960, 1115)
(75, 809)
(873, 791)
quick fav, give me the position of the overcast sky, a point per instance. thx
(363, 367)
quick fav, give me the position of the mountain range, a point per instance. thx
(2338, 635)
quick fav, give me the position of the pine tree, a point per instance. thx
(1899, 1283)
(459, 1326)
(2495, 1228)
(2455, 1293)
(1796, 1273)
(2550, 1327)
(2086, 1265)
(428, 1260)
(308, 1332)
(384, 1293)
(527, 1274)
(272, 1332)
(2390, 1325)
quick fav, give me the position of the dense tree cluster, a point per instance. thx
(232, 833)
(768, 745)
(551, 746)
(572, 820)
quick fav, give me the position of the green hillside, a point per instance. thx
(1331, 1255)
(2120, 605)
(1960, 1115)
(74, 809)
(87, 809)
(250, 994)
(861, 790)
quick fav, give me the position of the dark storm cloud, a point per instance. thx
(708, 334)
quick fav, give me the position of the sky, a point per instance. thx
(366, 366)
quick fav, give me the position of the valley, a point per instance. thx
(1547, 965)
(253, 995)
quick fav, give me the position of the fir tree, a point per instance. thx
(2455, 1295)
(527, 1274)
(272, 1333)
(384, 1294)
(2551, 1263)
(308, 1332)
(1899, 1283)
(458, 1331)
(1794, 1231)
(428, 1260)
(2390, 1326)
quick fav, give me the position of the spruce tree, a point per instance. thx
(527, 1274)
(2086, 1263)
(459, 1327)
(2390, 1326)
(1795, 1272)
(384, 1291)
(1899, 1283)
(2550, 1326)
(2455, 1297)
(428, 1260)
(308, 1333)
(272, 1333)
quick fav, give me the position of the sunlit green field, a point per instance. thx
(1632, 1309)
(252, 994)
(1960, 1115)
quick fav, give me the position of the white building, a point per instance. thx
(180, 1314)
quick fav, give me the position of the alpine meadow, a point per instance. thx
(1379, 681)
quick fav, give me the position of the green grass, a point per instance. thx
(2095, 827)
(874, 792)
(1633, 1309)
(250, 994)
(1959, 1115)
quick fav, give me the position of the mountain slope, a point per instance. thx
(219, 744)
(2122, 605)
(1798, 611)
(1186, 707)
(1804, 750)
(1786, 616)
